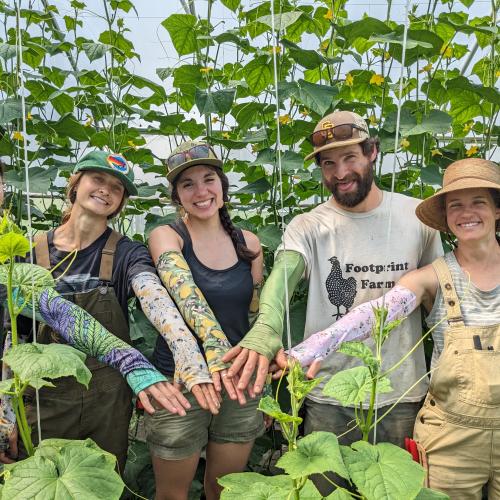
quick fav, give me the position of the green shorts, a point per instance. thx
(172, 437)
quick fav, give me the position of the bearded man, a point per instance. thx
(349, 253)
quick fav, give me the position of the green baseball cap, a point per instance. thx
(111, 163)
(189, 154)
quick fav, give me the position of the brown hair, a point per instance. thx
(367, 147)
(242, 251)
(71, 189)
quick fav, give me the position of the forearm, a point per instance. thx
(265, 335)
(177, 278)
(357, 325)
(161, 311)
(80, 330)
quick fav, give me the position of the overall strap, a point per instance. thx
(108, 255)
(450, 297)
(41, 242)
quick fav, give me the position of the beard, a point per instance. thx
(363, 186)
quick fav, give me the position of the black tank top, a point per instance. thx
(228, 293)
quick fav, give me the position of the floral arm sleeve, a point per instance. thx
(178, 280)
(160, 309)
(7, 415)
(357, 325)
(79, 329)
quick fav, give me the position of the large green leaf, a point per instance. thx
(281, 21)
(13, 245)
(64, 470)
(359, 350)
(291, 161)
(10, 109)
(316, 453)
(489, 93)
(40, 179)
(271, 407)
(383, 470)
(27, 277)
(309, 59)
(364, 28)
(352, 386)
(259, 186)
(258, 74)
(270, 236)
(182, 32)
(7, 51)
(428, 494)
(68, 126)
(219, 101)
(318, 98)
(339, 494)
(399, 40)
(95, 51)
(231, 4)
(34, 363)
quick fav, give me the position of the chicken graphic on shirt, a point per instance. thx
(341, 291)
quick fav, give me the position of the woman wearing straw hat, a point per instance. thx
(210, 269)
(458, 428)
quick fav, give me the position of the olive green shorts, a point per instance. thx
(172, 437)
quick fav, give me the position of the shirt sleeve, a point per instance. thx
(295, 238)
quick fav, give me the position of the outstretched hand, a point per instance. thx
(206, 396)
(280, 364)
(244, 364)
(166, 396)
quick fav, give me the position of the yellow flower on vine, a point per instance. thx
(226, 135)
(446, 51)
(329, 15)
(215, 119)
(274, 50)
(206, 70)
(387, 56)
(472, 151)
(436, 152)
(377, 80)
(324, 45)
(404, 143)
(17, 136)
(304, 112)
(497, 74)
(349, 80)
(426, 69)
(373, 119)
(29, 116)
(89, 121)
(132, 144)
(285, 119)
(468, 125)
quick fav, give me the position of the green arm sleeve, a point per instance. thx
(265, 335)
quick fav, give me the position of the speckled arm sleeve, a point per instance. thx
(79, 329)
(177, 278)
(357, 325)
(7, 414)
(160, 309)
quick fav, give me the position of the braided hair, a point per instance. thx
(242, 251)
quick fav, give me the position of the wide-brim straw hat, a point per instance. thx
(462, 174)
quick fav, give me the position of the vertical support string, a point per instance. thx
(27, 181)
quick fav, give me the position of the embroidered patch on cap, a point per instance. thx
(118, 163)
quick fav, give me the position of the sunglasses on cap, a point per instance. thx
(338, 133)
(198, 152)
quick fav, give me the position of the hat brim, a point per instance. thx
(129, 186)
(214, 162)
(333, 145)
(432, 212)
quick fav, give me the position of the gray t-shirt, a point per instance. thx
(478, 307)
(351, 258)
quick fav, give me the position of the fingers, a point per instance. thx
(232, 389)
(167, 396)
(216, 381)
(314, 368)
(145, 402)
(262, 369)
(248, 370)
(238, 362)
(278, 374)
(281, 359)
(205, 398)
(232, 353)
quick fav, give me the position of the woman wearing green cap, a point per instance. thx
(210, 269)
(108, 270)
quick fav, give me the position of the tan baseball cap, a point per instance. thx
(329, 133)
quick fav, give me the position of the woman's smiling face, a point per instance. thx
(471, 213)
(200, 191)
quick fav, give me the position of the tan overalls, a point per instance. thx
(103, 411)
(459, 424)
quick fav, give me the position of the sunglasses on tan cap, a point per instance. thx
(342, 132)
